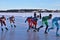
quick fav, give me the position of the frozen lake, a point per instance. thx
(20, 33)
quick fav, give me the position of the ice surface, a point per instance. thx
(20, 33)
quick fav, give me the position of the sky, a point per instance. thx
(29, 4)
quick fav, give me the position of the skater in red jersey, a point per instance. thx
(32, 22)
(3, 22)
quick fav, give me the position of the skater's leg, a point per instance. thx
(29, 23)
(1, 26)
(28, 29)
(34, 27)
(51, 27)
(5, 25)
(46, 23)
(6, 28)
(14, 24)
(35, 23)
(11, 23)
(46, 29)
(57, 32)
(57, 25)
(40, 26)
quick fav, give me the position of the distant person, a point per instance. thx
(55, 22)
(45, 21)
(3, 22)
(12, 20)
(40, 15)
(35, 14)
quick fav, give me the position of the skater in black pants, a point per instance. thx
(3, 22)
(45, 21)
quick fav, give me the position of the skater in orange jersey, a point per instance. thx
(12, 20)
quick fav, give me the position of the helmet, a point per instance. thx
(37, 15)
(50, 15)
(12, 16)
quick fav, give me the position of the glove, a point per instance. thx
(25, 21)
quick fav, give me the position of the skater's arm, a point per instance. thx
(59, 18)
(7, 18)
(26, 20)
(14, 18)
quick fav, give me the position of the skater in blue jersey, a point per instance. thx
(55, 22)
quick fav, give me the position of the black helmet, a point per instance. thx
(38, 16)
(50, 15)
(12, 16)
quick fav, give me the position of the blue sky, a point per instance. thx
(29, 4)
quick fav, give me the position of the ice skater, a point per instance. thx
(45, 21)
(12, 21)
(32, 22)
(55, 22)
(3, 22)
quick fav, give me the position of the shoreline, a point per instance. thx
(29, 11)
